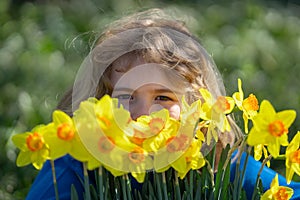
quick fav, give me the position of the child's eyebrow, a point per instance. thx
(166, 90)
(157, 90)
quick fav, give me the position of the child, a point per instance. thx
(148, 61)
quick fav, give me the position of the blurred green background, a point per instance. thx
(42, 44)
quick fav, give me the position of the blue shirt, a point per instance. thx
(69, 171)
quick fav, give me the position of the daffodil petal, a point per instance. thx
(140, 177)
(60, 117)
(23, 159)
(287, 117)
(20, 141)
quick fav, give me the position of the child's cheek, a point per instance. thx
(175, 111)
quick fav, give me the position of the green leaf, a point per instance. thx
(198, 188)
(93, 192)
(222, 175)
(74, 194)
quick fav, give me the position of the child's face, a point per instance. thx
(144, 87)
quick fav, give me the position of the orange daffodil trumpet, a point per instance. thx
(277, 192)
(102, 133)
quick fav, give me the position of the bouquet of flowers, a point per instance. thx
(172, 158)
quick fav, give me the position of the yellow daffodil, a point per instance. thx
(176, 137)
(103, 128)
(121, 157)
(113, 122)
(277, 192)
(292, 161)
(109, 115)
(101, 125)
(115, 172)
(92, 163)
(249, 106)
(62, 138)
(260, 150)
(174, 147)
(222, 106)
(190, 113)
(33, 148)
(119, 160)
(105, 152)
(138, 161)
(182, 152)
(214, 111)
(192, 159)
(135, 161)
(151, 131)
(188, 129)
(270, 128)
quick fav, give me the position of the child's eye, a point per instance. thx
(163, 98)
(124, 97)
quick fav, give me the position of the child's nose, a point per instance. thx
(139, 108)
(143, 108)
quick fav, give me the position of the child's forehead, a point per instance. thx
(148, 73)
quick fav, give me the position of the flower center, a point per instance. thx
(106, 144)
(136, 155)
(179, 143)
(156, 125)
(104, 121)
(65, 131)
(251, 103)
(138, 137)
(277, 128)
(35, 142)
(295, 157)
(281, 194)
(173, 144)
(222, 104)
(188, 159)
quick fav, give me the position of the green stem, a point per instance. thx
(128, 187)
(177, 188)
(86, 183)
(54, 179)
(258, 175)
(209, 181)
(164, 186)
(100, 179)
(199, 188)
(234, 148)
(221, 184)
(123, 187)
(158, 185)
(243, 174)
(191, 183)
(238, 178)
(210, 171)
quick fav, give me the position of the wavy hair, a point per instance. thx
(158, 38)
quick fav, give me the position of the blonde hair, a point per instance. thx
(156, 37)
